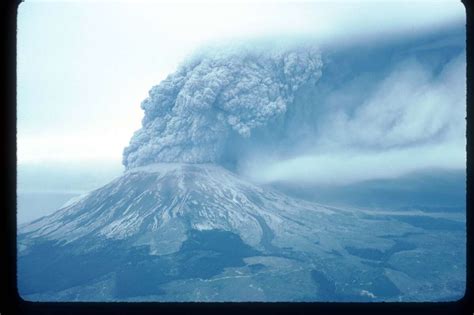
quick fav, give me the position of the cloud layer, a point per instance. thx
(410, 106)
(413, 119)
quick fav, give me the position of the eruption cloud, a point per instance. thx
(292, 113)
(218, 94)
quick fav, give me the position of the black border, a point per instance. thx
(11, 302)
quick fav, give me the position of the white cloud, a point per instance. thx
(410, 106)
(413, 120)
(350, 167)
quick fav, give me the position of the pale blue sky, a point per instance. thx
(85, 66)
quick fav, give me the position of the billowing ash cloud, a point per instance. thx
(289, 114)
(217, 94)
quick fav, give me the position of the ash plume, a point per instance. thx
(219, 94)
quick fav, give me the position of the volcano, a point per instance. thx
(201, 213)
(198, 232)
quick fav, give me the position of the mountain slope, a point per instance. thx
(178, 232)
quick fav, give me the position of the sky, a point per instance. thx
(84, 67)
(78, 61)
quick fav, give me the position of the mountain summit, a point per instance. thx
(197, 232)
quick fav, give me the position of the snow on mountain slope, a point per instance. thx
(177, 232)
(155, 199)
